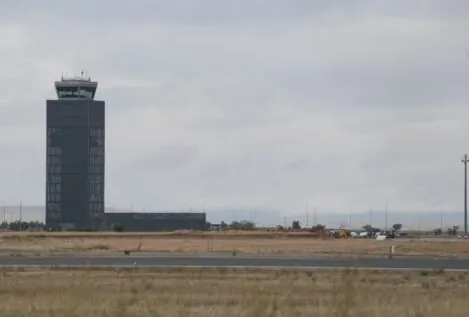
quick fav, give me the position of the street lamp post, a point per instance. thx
(464, 161)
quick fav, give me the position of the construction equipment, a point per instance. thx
(342, 234)
(391, 234)
(339, 234)
(320, 232)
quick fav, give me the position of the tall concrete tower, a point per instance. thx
(75, 156)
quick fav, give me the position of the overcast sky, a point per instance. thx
(343, 105)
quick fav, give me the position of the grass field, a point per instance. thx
(230, 293)
(261, 243)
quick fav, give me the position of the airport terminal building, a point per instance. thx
(154, 222)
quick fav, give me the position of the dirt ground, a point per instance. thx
(232, 293)
(239, 243)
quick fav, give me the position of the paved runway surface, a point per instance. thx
(233, 261)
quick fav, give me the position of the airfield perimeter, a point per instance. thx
(213, 292)
(88, 274)
(234, 243)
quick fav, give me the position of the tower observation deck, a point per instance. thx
(76, 87)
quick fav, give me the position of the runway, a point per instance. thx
(219, 260)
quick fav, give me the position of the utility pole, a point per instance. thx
(307, 211)
(316, 221)
(386, 216)
(21, 216)
(464, 161)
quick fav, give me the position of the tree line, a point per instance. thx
(22, 225)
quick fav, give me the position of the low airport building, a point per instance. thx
(155, 222)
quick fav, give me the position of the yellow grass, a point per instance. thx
(261, 243)
(230, 293)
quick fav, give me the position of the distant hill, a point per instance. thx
(410, 220)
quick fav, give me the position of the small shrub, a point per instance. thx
(116, 227)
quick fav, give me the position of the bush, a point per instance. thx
(81, 230)
(117, 227)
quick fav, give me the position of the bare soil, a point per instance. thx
(260, 243)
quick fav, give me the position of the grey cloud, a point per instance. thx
(212, 11)
(205, 12)
(168, 157)
(346, 104)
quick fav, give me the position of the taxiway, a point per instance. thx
(228, 260)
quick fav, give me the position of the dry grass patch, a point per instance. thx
(263, 243)
(226, 292)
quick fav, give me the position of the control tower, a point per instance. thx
(75, 156)
(77, 87)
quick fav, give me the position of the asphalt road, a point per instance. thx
(231, 261)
